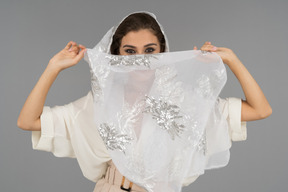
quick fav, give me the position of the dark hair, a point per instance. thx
(135, 22)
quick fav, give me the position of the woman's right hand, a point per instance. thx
(29, 117)
(67, 57)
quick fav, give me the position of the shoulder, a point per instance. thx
(82, 104)
(83, 101)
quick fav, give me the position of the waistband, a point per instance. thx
(114, 177)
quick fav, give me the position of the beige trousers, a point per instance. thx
(113, 180)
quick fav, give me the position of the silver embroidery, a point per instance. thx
(132, 60)
(166, 115)
(96, 90)
(218, 75)
(198, 141)
(99, 75)
(168, 86)
(204, 87)
(202, 144)
(113, 140)
(195, 135)
(208, 85)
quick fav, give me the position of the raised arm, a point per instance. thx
(29, 117)
(255, 106)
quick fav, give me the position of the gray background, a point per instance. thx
(33, 31)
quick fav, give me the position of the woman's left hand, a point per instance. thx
(256, 105)
(227, 55)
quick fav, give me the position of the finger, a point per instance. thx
(74, 48)
(214, 48)
(68, 45)
(80, 55)
(221, 48)
(73, 45)
(208, 48)
(208, 44)
(195, 48)
(82, 46)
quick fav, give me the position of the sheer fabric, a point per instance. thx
(158, 114)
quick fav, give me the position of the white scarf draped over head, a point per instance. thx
(158, 115)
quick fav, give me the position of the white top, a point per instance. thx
(69, 131)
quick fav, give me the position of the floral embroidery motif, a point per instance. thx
(166, 115)
(113, 140)
(132, 60)
(168, 86)
(207, 85)
(196, 136)
(204, 87)
(99, 75)
(96, 90)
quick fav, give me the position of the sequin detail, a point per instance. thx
(202, 144)
(132, 60)
(166, 115)
(113, 139)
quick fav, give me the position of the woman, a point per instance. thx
(69, 131)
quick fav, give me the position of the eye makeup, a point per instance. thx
(149, 49)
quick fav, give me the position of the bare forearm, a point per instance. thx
(29, 118)
(256, 105)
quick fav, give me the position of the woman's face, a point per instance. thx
(139, 42)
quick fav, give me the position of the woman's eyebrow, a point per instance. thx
(131, 46)
(150, 44)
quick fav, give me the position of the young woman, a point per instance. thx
(69, 131)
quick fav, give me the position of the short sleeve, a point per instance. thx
(70, 131)
(231, 110)
(56, 125)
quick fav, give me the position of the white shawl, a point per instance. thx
(158, 115)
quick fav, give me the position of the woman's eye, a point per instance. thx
(149, 50)
(130, 51)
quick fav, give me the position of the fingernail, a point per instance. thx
(70, 49)
(214, 48)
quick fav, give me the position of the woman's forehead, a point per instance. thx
(141, 37)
